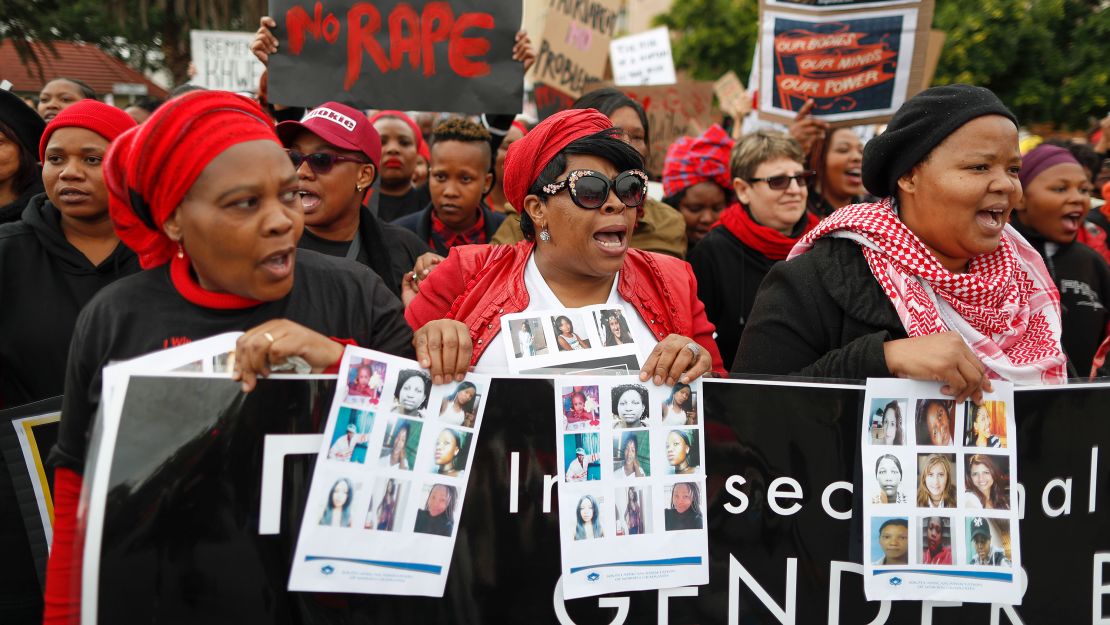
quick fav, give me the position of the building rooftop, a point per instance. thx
(83, 61)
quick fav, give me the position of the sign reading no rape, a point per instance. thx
(398, 55)
(575, 45)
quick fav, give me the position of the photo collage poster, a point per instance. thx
(632, 501)
(594, 340)
(386, 496)
(940, 516)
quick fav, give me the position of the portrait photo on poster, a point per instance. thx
(629, 405)
(987, 482)
(588, 523)
(452, 447)
(682, 449)
(988, 541)
(936, 481)
(387, 505)
(681, 406)
(365, 379)
(582, 457)
(890, 540)
(612, 327)
(684, 510)
(936, 419)
(336, 508)
(631, 454)
(399, 445)
(888, 425)
(570, 332)
(351, 437)
(528, 338)
(633, 508)
(581, 407)
(437, 515)
(411, 393)
(461, 404)
(985, 424)
(936, 538)
(890, 477)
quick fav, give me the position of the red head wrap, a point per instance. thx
(693, 160)
(149, 169)
(528, 156)
(103, 119)
(421, 145)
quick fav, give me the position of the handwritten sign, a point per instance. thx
(224, 61)
(855, 66)
(732, 96)
(681, 109)
(575, 44)
(643, 59)
(401, 55)
(550, 100)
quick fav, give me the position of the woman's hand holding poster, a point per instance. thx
(632, 503)
(940, 515)
(390, 480)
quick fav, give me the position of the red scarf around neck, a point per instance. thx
(767, 241)
(187, 285)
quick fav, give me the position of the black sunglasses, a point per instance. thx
(590, 189)
(782, 182)
(321, 162)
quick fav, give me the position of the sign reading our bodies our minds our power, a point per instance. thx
(397, 55)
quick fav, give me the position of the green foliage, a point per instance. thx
(1049, 60)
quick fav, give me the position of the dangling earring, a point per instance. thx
(180, 250)
(545, 236)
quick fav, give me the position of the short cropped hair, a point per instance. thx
(756, 148)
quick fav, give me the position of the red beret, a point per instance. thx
(103, 119)
(528, 156)
(149, 169)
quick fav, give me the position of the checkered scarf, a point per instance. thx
(1005, 307)
(691, 160)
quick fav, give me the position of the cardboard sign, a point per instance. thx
(224, 60)
(550, 100)
(732, 97)
(398, 55)
(859, 66)
(682, 109)
(643, 59)
(932, 57)
(574, 48)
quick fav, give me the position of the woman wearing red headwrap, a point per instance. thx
(769, 177)
(206, 196)
(696, 180)
(580, 187)
(402, 144)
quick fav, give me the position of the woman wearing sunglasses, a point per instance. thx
(580, 187)
(930, 283)
(336, 152)
(769, 178)
(207, 198)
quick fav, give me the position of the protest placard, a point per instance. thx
(574, 49)
(397, 55)
(550, 100)
(859, 66)
(732, 97)
(223, 60)
(643, 59)
(681, 109)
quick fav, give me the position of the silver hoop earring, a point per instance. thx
(545, 236)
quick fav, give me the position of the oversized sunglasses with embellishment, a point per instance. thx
(590, 189)
(321, 162)
(782, 181)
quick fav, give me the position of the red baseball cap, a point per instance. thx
(344, 127)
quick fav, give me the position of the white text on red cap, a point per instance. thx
(332, 116)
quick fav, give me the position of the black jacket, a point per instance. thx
(820, 315)
(729, 274)
(11, 212)
(44, 284)
(421, 224)
(387, 249)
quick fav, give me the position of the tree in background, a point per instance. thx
(1049, 60)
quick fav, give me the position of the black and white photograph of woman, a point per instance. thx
(411, 395)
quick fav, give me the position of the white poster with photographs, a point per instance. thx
(390, 480)
(940, 516)
(595, 340)
(632, 502)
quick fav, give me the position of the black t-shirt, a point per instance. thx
(328, 247)
(394, 207)
(145, 313)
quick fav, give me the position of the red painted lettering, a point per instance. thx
(331, 28)
(435, 26)
(360, 38)
(297, 22)
(461, 49)
(404, 36)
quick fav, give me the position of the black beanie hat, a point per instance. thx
(22, 119)
(920, 125)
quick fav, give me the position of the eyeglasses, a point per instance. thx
(782, 182)
(590, 189)
(321, 162)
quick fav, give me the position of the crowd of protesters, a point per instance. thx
(937, 251)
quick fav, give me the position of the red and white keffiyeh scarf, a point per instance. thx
(1005, 307)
